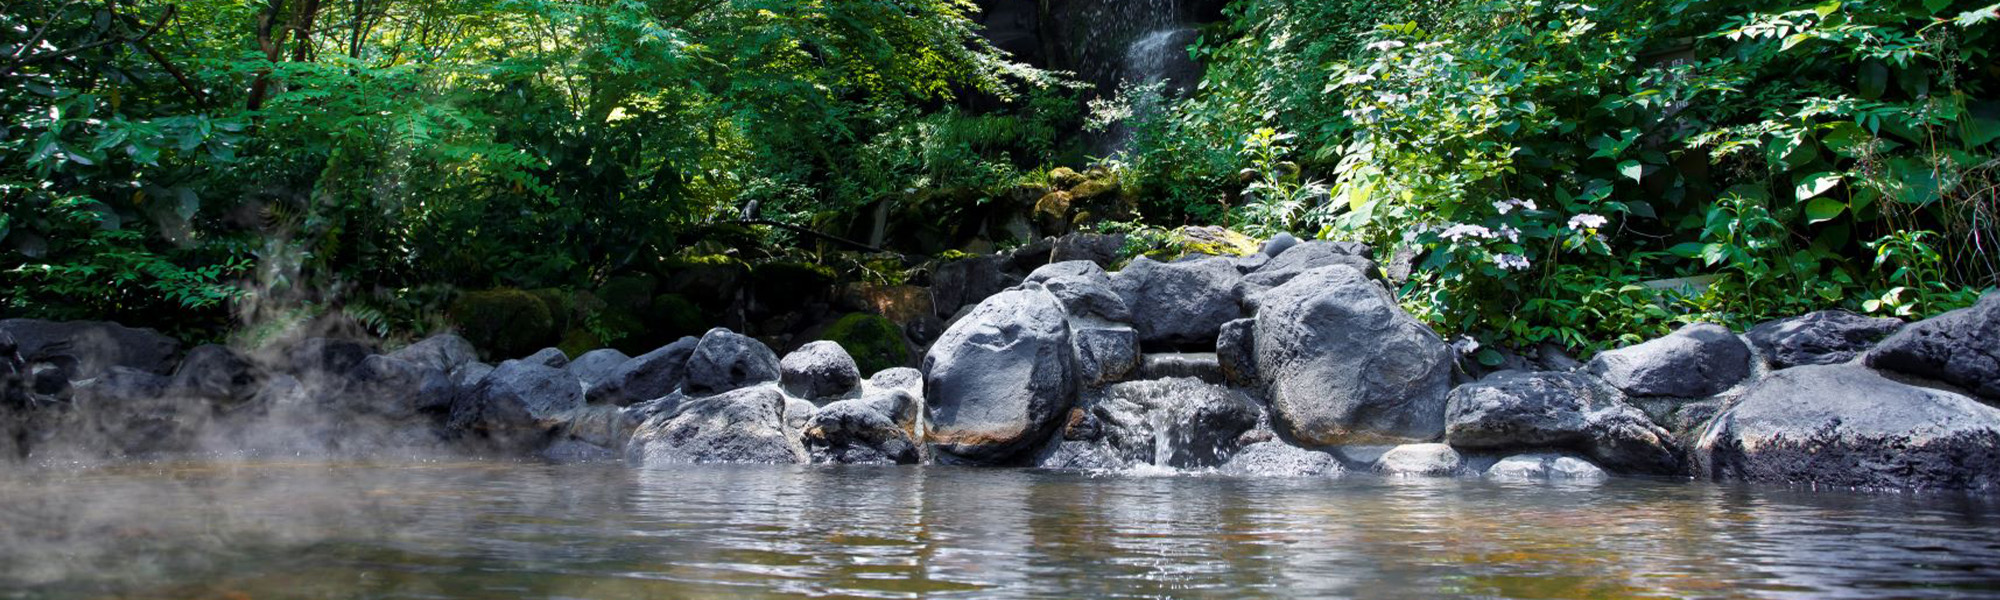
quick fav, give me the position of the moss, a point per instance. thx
(503, 322)
(561, 304)
(1213, 241)
(873, 341)
(578, 341)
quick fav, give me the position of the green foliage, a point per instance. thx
(504, 323)
(873, 341)
(1547, 159)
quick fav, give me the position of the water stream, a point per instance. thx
(509, 530)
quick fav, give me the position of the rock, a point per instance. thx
(1068, 268)
(1420, 459)
(1513, 410)
(1277, 245)
(1236, 352)
(745, 425)
(880, 428)
(1343, 364)
(1105, 352)
(900, 378)
(1696, 361)
(724, 361)
(965, 282)
(997, 380)
(549, 357)
(1278, 459)
(596, 365)
(1961, 347)
(873, 341)
(1308, 256)
(819, 370)
(1847, 426)
(48, 382)
(471, 374)
(1544, 466)
(88, 348)
(444, 352)
(1100, 248)
(645, 377)
(395, 389)
(1821, 338)
(125, 411)
(1181, 423)
(1088, 296)
(517, 404)
(323, 356)
(217, 373)
(600, 425)
(1182, 303)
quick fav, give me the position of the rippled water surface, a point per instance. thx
(487, 530)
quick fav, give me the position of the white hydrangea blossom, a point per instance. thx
(1512, 234)
(1511, 262)
(1461, 231)
(1385, 45)
(1587, 222)
(1508, 205)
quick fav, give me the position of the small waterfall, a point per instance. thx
(1137, 43)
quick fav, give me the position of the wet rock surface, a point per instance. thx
(1695, 361)
(1278, 459)
(1821, 338)
(746, 425)
(819, 370)
(1343, 364)
(997, 379)
(1961, 348)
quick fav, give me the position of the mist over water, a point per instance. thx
(504, 530)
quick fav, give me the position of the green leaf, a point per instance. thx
(1687, 250)
(1873, 79)
(1632, 170)
(1820, 210)
(1936, 6)
(1491, 358)
(1811, 186)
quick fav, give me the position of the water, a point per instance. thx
(490, 530)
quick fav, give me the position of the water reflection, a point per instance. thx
(510, 530)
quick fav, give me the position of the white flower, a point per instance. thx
(1430, 45)
(1392, 98)
(1511, 262)
(1385, 45)
(1462, 231)
(1512, 234)
(1508, 205)
(1587, 222)
(1357, 79)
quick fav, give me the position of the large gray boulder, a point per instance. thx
(1180, 303)
(746, 425)
(882, 427)
(1431, 460)
(819, 370)
(596, 365)
(1236, 352)
(1106, 352)
(87, 348)
(217, 373)
(1550, 466)
(1343, 364)
(645, 377)
(1514, 410)
(1696, 361)
(1961, 347)
(997, 380)
(517, 404)
(1083, 288)
(549, 357)
(1821, 338)
(1847, 426)
(1278, 459)
(725, 360)
(393, 389)
(1307, 256)
(444, 352)
(899, 378)
(1181, 423)
(965, 282)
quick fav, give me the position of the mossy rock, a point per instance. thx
(1065, 177)
(561, 304)
(630, 292)
(578, 341)
(503, 322)
(874, 342)
(1214, 241)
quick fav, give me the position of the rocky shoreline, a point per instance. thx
(1295, 360)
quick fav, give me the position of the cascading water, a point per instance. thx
(1130, 43)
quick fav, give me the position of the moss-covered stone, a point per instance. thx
(503, 322)
(578, 341)
(561, 304)
(1065, 177)
(874, 342)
